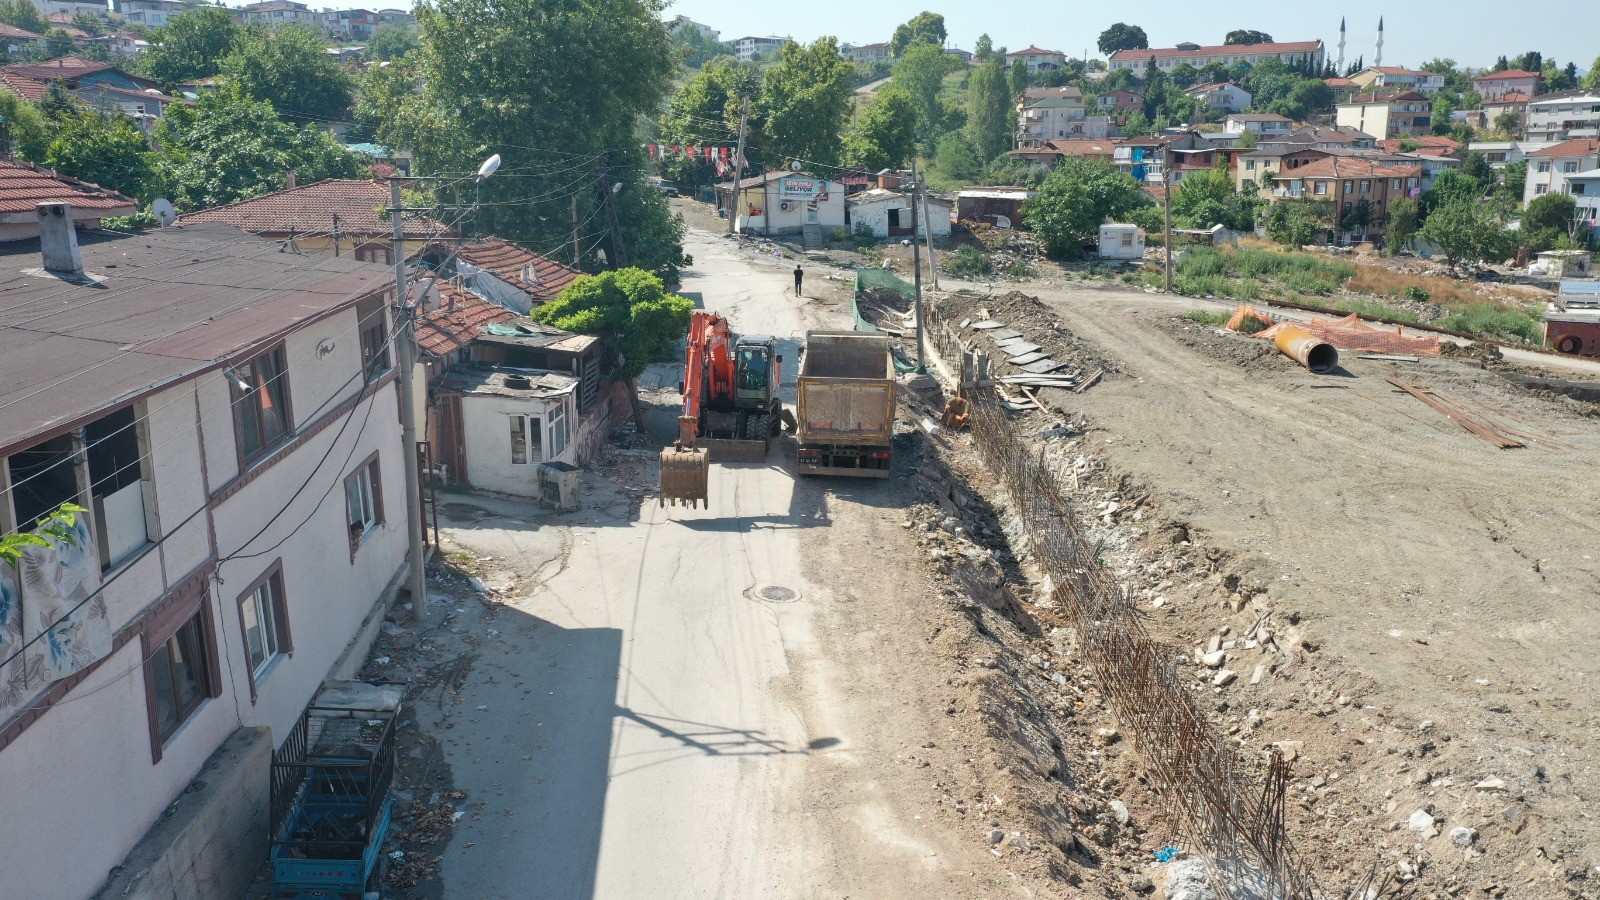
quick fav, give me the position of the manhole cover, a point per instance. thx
(777, 593)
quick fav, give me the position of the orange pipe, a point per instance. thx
(1306, 349)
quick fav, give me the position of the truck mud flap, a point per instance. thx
(728, 451)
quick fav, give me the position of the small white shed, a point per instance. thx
(511, 422)
(888, 214)
(1121, 242)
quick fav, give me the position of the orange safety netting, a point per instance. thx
(1348, 333)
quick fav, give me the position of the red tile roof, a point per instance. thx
(512, 264)
(1035, 51)
(1580, 147)
(1339, 82)
(63, 67)
(1220, 50)
(24, 186)
(312, 208)
(1509, 73)
(23, 86)
(459, 319)
(1426, 143)
(21, 34)
(1347, 167)
(1509, 98)
(1375, 97)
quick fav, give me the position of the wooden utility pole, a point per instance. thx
(575, 251)
(1166, 206)
(406, 347)
(916, 266)
(738, 166)
(927, 236)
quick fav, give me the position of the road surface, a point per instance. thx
(688, 704)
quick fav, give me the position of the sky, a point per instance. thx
(1472, 32)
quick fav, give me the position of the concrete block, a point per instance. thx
(215, 837)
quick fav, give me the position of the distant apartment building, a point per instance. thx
(1378, 78)
(278, 12)
(679, 23)
(1224, 96)
(1352, 185)
(1057, 113)
(1264, 124)
(1036, 59)
(1563, 116)
(1387, 115)
(1551, 167)
(1495, 85)
(151, 13)
(349, 24)
(1168, 58)
(868, 54)
(748, 49)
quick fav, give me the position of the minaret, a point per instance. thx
(1377, 59)
(1339, 67)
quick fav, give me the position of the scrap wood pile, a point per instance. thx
(1348, 333)
(1474, 420)
(1025, 338)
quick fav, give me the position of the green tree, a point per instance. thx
(920, 73)
(885, 134)
(1021, 79)
(1122, 36)
(632, 311)
(393, 40)
(1247, 37)
(1548, 221)
(290, 67)
(1508, 124)
(1443, 106)
(1405, 217)
(706, 111)
(1467, 230)
(1208, 198)
(1514, 181)
(25, 132)
(23, 14)
(1452, 185)
(89, 23)
(104, 148)
(955, 159)
(231, 147)
(191, 46)
(1591, 81)
(1296, 223)
(1357, 219)
(1308, 97)
(991, 116)
(983, 49)
(1075, 198)
(560, 91)
(696, 48)
(924, 28)
(57, 42)
(805, 99)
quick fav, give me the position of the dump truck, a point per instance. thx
(845, 402)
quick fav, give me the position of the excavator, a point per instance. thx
(731, 408)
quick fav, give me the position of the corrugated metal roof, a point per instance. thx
(23, 186)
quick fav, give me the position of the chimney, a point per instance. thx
(289, 182)
(58, 240)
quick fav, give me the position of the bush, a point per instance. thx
(1203, 317)
(863, 235)
(967, 262)
(1020, 270)
(1418, 294)
(837, 235)
(1495, 321)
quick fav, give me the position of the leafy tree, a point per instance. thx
(991, 117)
(25, 132)
(1357, 218)
(1509, 124)
(104, 148)
(57, 42)
(885, 134)
(1021, 78)
(631, 309)
(1452, 185)
(1309, 97)
(23, 14)
(1295, 223)
(88, 23)
(1247, 37)
(1185, 75)
(1548, 221)
(1405, 217)
(924, 28)
(696, 48)
(805, 100)
(920, 73)
(1532, 61)
(1075, 198)
(290, 67)
(1248, 140)
(1467, 230)
(706, 111)
(1591, 81)
(1443, 107)
(1514, 180)
(231, 147)
(393, 40)
(956, 160)
(191, 46)
(1122, 36)
(1208, 198)
(983, 49)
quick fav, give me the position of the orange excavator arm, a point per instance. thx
(709, 370)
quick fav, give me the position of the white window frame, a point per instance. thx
(359, 499)
(262, 606)
(532, 451)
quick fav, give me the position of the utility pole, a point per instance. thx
(1166, 206)
(738, 166)
(575, 253)
(406, 351)
(916, 267)
(927, 236)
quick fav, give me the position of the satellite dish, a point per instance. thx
(794, 165)
(162, 209)
(489, 167)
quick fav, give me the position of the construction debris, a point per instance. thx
(1472, 420)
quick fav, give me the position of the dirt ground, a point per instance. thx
(1436, 597)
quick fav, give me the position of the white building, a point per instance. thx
(679, 23)
(1169, 58)
(785, 203)
(1121, 242)
(1036, 59)
(1225, 96)
(1264, 124)
(237, 445)
(1057, 113)
(1563, 116)
(279, 12)
(1374, 77)
(71, 7)
(152, 13)
(888, 214)
(748, 49)
(1498, 154)
(1550, 167)
(1585, 190)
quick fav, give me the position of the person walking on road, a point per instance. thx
(799, 275)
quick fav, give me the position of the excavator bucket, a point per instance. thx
(685, 468)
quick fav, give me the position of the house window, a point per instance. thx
(264, 623)
(556, 425)
(1249, 165)
(1349, 186)
(1366, 186)
(527, 440)
(1321, 188)
(1544, 166)
(261, 403)
(1579, 187)
(372, 319)
(1567, 168)
(1540, 188)
(180, 676)
(363, 500)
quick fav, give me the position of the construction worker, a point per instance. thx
(799, 275)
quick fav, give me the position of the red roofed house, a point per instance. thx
(1496, 85)
(1548, 167)
(23, 186)
(1374, 78)
(1169, 58)
(1386, 115)
(335, 217)
(1036, 59)
(503, 273)
(1353, 186)
(1426, 145)
(98, 84)
(16, 40)
(1049, 153)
